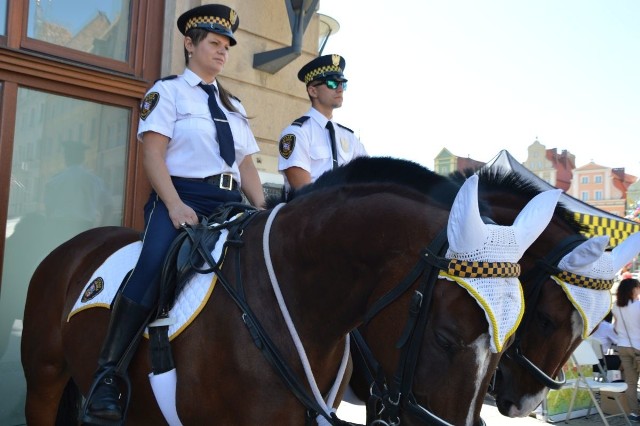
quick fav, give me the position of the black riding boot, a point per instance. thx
(103, 405)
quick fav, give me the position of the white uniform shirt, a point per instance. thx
(178, 108)
(629, 336)
(309, 146)
(606, 335)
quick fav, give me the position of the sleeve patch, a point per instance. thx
(148, 104)
(286, 145)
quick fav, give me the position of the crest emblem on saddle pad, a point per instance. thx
(94, 289)
(287, 144)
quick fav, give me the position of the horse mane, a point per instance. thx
(381, 170)
(439, 188)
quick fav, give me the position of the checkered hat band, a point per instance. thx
(319, 71)
(193, 22)
(467, 269)
(618, 230)
(585, 282)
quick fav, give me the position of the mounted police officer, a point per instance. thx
(197, 147)
(314, 143)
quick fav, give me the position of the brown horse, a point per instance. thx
(336, 253)
(412, 396)
(551, 328)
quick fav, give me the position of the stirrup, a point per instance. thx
(87, 419)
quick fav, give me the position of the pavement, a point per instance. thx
(491, 416)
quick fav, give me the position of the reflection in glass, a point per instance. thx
(99, 27)
(67, 175)
(3, 17)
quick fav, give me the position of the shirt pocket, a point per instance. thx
(319, 152)
(193, 115)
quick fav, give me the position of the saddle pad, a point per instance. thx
(103, 285)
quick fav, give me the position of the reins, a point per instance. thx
(537, 276)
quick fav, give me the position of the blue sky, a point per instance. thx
(480, 76)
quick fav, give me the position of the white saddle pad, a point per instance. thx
(103, 285)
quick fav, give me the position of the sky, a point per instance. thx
(479, 76)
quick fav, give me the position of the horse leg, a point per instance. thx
(46, 381)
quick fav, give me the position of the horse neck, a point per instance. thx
(334, 264)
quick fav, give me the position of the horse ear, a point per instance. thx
(626, 250)
(535, 217)
(465, 229)
(581, 258)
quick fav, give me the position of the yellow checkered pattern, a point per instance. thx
(617, 230)
(318, 71)
(464, 269)
(585, 282)
(191, 23)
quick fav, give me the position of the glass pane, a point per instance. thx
(3, 17)
(99, 27)
(67, 175)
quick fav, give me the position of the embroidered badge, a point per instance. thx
(148, 104)
(287, 144)
(94, 289)
(344, 143)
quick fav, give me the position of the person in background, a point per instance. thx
(197, 148)
(314, 143)
(608, 338)
(626, 314)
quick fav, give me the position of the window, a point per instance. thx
(97, 27)
(584, 179)
(3, 17)
(71, 80)
(64, 180)
(584, 196)
(598, 195)
(598, 179)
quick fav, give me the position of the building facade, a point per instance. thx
(602, 187)
(555, 169)
(446, 163)
(71, 82)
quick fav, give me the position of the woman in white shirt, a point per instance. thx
(626, 314)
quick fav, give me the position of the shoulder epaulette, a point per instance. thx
(169, 77)
(346, 128)
(300, 121)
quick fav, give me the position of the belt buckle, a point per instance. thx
(229, 178)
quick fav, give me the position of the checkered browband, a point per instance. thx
(193, 22)
(585, 282)
(463, 268)
(319, 71)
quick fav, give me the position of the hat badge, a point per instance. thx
(335, 59)
(233, 16)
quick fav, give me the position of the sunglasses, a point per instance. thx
(333, 84)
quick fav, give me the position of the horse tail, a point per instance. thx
(70, 405)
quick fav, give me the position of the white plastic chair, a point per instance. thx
(584, 355)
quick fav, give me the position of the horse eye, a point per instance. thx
(443, 342)
(545, 323)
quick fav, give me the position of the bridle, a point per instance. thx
(545, 267)
(388, 398)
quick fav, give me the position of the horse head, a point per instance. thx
(568, 298)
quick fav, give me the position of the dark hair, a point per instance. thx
(625, 291)
(197, 35)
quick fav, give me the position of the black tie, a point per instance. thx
(225, 138)
(332, 134)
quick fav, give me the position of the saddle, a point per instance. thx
(190, 251)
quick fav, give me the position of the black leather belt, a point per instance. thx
(222, 181)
